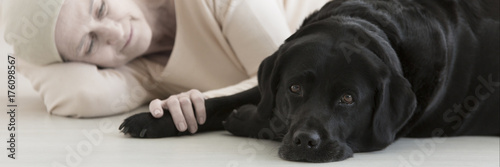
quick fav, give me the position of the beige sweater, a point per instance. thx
(218, 48)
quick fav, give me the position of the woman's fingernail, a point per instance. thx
(182, 126)
(193, 130)
(201, 120)
(157, 112)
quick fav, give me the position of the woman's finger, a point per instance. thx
(156, 108)
(187, 110)
(198, 100)
(174, 107)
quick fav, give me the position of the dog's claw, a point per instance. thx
(235, 111)
(223, 122)
(121, 126)
(125, 130)
(143, 132)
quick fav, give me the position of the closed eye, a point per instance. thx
(91, 46)
(101, 11)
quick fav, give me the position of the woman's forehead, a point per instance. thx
(71, 25)
(76, 11)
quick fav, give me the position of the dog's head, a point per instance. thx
(335, 93)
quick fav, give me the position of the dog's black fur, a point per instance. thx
(413, 68)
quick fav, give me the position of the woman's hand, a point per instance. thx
(181, 109)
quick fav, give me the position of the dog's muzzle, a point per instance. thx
(310, 146)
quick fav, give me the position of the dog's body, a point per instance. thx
(359, 74)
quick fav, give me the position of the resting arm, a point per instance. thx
(82, 90)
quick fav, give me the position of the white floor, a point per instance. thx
(50, 141)
(45, 140)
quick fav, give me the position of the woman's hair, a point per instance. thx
(30, 29)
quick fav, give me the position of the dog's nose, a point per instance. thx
(306, 139)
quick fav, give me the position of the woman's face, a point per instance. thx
(107, 33)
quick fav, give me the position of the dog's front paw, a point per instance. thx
(146, 126)
(243, 121)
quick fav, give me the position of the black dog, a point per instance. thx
(359, 74)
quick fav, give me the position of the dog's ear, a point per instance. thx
(396, 103)
(268, 77)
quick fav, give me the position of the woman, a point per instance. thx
(136, 50)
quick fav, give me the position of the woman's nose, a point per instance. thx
(110, 31)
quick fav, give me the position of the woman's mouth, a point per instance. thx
(129, 37)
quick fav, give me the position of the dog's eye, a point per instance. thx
(295, 88)
(347, 99)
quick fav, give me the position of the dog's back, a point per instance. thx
(463, 97)
(449, 52)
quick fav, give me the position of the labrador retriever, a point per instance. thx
(359, 74)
